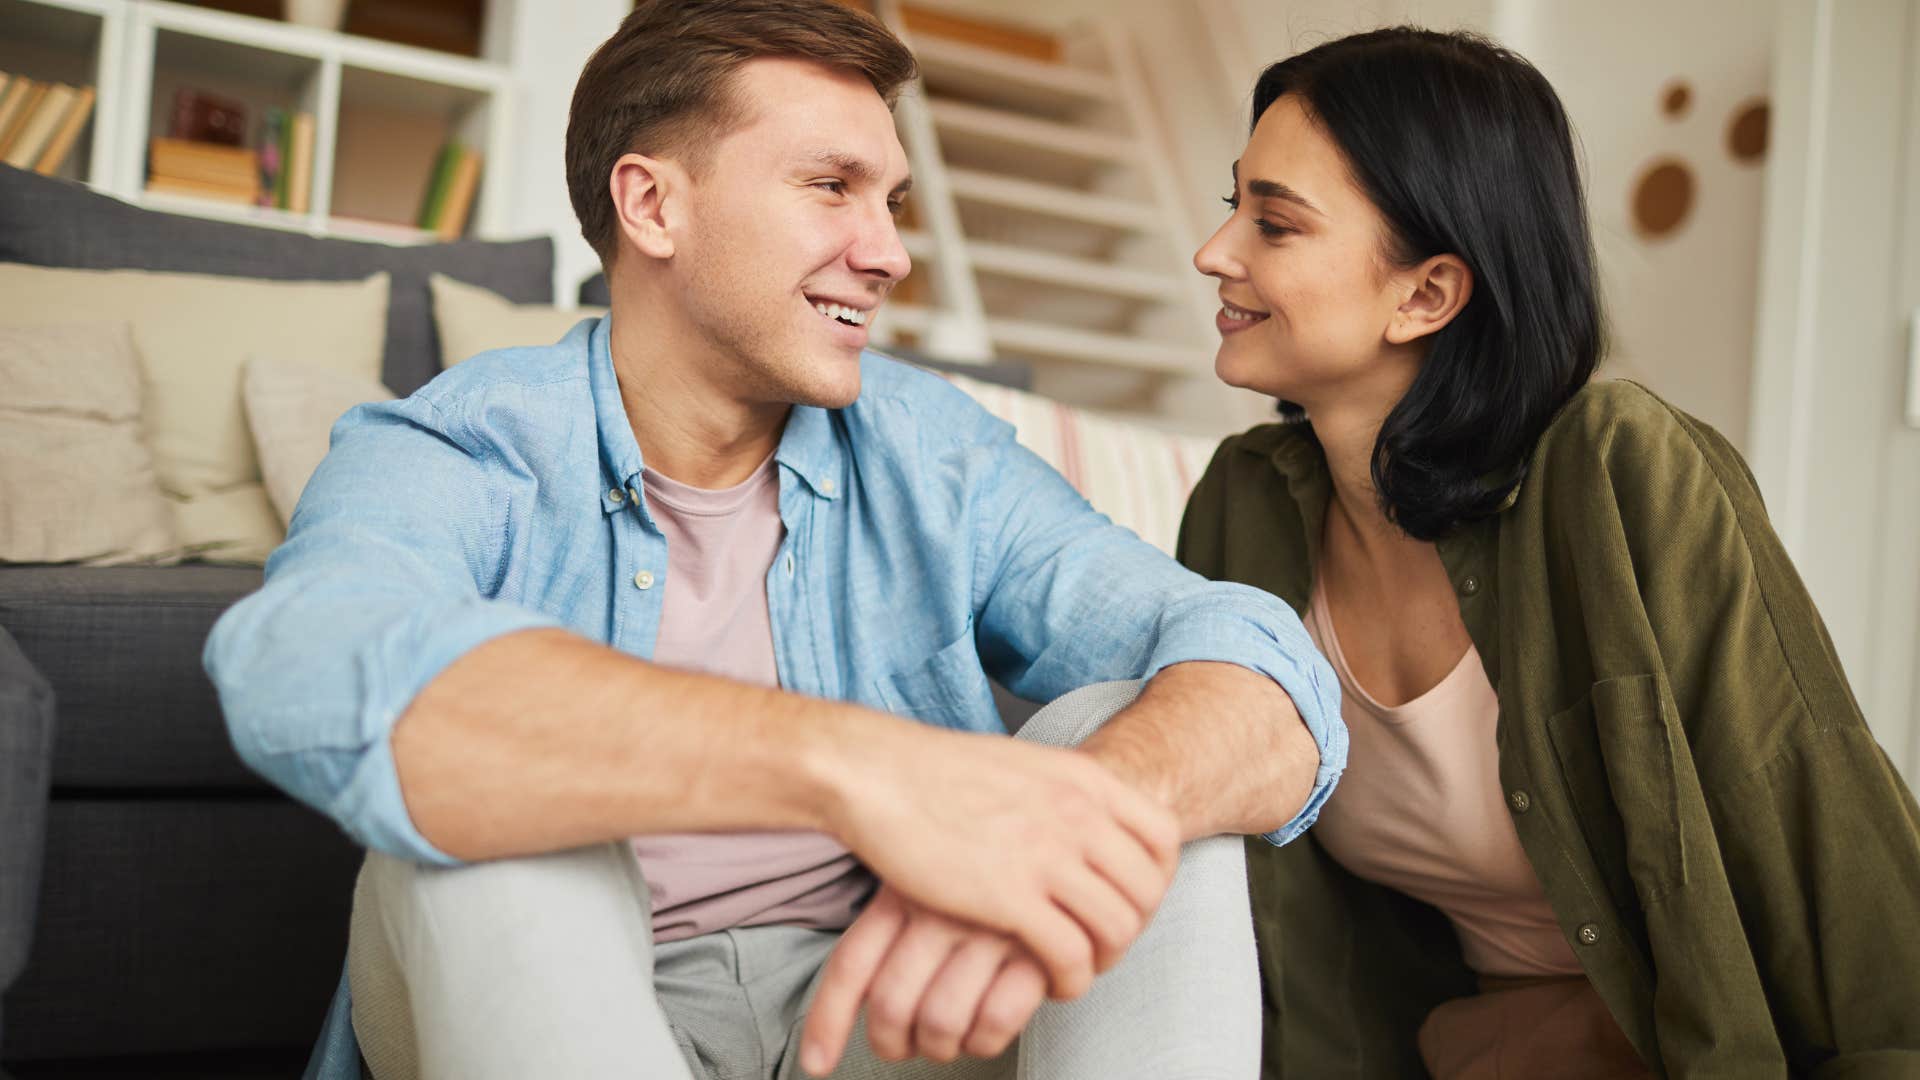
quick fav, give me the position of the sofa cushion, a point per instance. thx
(291, 408)
(52, 222)
(76, 477)
(472, 320)
(121, 648)
(194, 334)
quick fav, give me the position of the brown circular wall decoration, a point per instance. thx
(1678, 98)
(1662, 198)
(1747, 135)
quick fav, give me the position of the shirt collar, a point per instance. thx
(620, 462)
(812, 450)
(808, 446)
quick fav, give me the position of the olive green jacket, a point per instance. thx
(1733, 857)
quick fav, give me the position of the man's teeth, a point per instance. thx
(850, 316)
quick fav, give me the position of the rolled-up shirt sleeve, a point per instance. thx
(384, 580)
(1071, 598)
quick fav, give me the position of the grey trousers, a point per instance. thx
(546, 967)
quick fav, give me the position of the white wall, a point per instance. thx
(546, 45)
(1681, 307)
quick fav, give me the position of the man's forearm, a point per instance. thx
(1221, 746)
(542, 740)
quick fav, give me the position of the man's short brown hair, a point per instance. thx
(662, 84)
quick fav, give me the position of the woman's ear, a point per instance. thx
(641, 188)
(1436, 291)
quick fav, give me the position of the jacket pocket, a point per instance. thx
(948, 688)
(1617, 749)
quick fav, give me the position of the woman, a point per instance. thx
(1611, 809)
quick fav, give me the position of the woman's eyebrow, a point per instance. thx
(1274, 189)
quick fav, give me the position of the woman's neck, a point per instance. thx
(1347, 435)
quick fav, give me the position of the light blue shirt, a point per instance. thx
(925, 549)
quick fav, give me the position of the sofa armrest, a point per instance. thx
(26, 764)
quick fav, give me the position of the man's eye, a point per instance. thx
(896, 208)
(838, 187)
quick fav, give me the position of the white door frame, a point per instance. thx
(1840, 281)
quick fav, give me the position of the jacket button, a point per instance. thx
(1470, 586)
(1589, 934)
(643, 580)
(616, 496)
(1521, 802)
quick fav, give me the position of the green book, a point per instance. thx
(285, 137)
(436, 201)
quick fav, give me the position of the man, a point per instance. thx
(654, 590)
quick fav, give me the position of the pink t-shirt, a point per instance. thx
(1420, 809)
(720, 546)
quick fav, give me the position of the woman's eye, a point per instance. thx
(1268, 228)
(1232, 201)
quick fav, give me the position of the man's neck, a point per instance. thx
(688, 427)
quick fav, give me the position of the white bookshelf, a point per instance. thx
(1048, 221)
(381, 111)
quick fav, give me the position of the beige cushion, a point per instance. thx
(291, 409)
(76, 479)
(472, 320)
(194, 333)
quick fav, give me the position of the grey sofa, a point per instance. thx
(190, 920)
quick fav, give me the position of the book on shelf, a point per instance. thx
(300, 163)
(187, 160)
(272, 161)
(68, 133)
(436, 192)
(197, 189)
(459, 205)
(448, 200)
(40, 126)
(23, 97)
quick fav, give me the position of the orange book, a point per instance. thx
(36, 131)
(466, 178)
(186, 160)
(197, 189)
(300, 165)
(55, 155)
(22, 99)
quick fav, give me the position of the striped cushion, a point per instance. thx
(1137, 475)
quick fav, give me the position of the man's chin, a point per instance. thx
(831, 380)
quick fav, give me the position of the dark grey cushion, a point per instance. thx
(182, 924)
(26, 737)
(50, 222)
(121, 648)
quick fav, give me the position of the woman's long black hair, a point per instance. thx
(1465, 149)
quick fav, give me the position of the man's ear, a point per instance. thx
(645, 192)
(1437, 290)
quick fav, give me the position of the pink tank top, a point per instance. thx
(1420, 809)
(720, 546)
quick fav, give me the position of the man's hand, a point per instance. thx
(1042, 844)
(933, 987)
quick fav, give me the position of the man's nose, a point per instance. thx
(878, 250)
